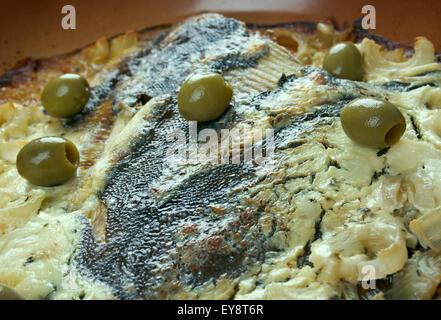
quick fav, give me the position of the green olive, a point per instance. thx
(344, 61)
(204, 97)
(372, 122)
(48, 161)
(66, 95)
(7, 293)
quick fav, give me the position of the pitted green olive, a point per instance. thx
(204, 97)
(66, 95)
(344, 61)
(372, 122)
(48, 161)
(7, 293)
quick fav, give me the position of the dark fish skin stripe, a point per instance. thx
(415, 128)
(235, 61)
(396, 86)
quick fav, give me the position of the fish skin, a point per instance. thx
(163, 69)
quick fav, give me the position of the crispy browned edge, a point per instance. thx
(305, 27)
(22, 70)
(24, 65)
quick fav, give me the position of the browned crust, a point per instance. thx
(357, 35)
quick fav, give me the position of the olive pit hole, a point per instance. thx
(394, 133)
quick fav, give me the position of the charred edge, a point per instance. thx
(30, 64)
(235, 291)
(156, 28)
(143, 98)
(426, 73)
(20, 69)
(396, 86)
(334, 23)
(291, 178)
(415, 128)
(6, 78)
(413, 87)
(29, 260)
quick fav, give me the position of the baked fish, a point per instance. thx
(306, 222)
